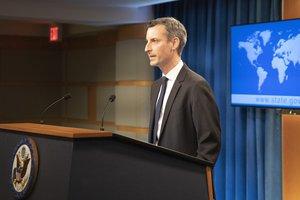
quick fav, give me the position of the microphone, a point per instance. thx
(65, 97)
(110, 100)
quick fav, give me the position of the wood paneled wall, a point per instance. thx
(290, 9)
(290, 130)
(88, 67)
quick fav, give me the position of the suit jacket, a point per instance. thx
(191, 119)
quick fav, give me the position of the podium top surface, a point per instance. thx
(50, 130)
(78, 133)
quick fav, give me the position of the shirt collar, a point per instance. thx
(173, 73)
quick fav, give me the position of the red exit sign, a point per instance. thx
(54, 33)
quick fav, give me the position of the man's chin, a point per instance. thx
(152, 64)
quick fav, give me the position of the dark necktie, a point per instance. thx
(158, 107)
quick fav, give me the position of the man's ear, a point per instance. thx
(176, 43)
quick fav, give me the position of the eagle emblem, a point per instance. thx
(24, 168)
(20, 175)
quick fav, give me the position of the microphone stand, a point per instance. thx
(66, 97)
(111, 99)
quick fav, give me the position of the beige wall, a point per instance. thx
(133, 98)
(89, 63)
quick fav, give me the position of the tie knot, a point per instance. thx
(164, 80)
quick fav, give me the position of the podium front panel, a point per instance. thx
(54, 168)
(115, 169)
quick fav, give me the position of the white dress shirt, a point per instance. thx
(171, 75)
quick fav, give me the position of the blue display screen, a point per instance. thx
(265, 64)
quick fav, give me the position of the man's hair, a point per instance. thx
(174, 29)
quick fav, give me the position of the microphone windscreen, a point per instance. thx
(112, 98)
(67, 96)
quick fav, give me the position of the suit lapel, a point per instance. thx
(174, 91)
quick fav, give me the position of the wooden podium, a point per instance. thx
(88, 164)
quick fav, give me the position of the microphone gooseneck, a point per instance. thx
(65, 97)
(110, 100)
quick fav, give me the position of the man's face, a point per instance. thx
(158, 47)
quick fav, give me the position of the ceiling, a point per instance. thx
(87, 12)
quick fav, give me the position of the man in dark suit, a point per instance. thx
(184, 116)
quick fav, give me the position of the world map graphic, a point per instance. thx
(265, 64)
(286, 53)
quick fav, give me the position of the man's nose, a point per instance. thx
(147, 47)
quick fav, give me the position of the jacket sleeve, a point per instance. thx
(206, 121)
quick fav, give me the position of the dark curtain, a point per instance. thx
(249, 165)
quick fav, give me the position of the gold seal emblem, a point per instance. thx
(24, 168)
